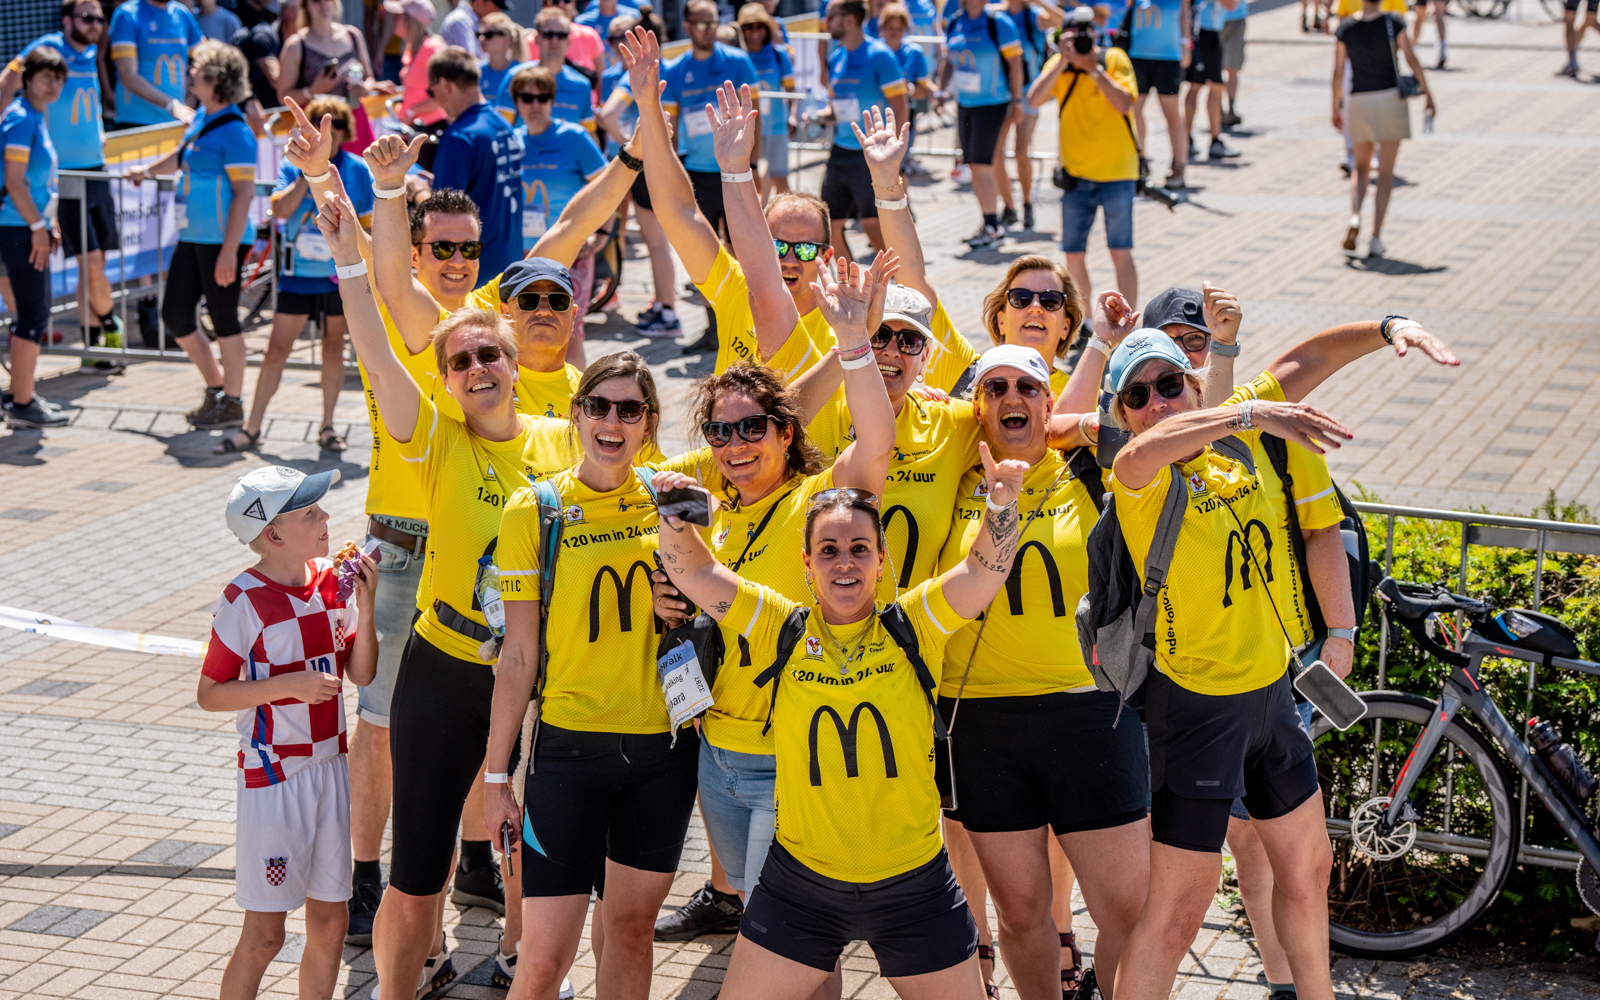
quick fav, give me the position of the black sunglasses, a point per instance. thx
(629, 411)
(551, 36)
(1192, 340)
(445, 249)
(1027, 388)
(90, 18)
(752, 429)
(821, 497)
(616, 39)
(802, 251)
(526, 97)
(911, 342)
(1022, 298)
(559, 301)
(1137, 395)
(702, 24)
(486, 355)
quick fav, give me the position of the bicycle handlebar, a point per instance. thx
(1412, 604)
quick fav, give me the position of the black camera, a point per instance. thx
(1080, 25)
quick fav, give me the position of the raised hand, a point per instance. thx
(1408, 337)
(310, 148)
(1305, 425)
(884, 267)
(883, 145)
(1003, 478)
(1222, 312)
(641, 55)
(735, 123)
(389, 157)
(340, 227)
(845, 302)
(1114, 317)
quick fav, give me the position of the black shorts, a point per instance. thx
(1205, 63)
(847, 185)
(979, 131)
(1572, 5)
(708, 196)
(102, 228)
(191, 277)
(1162, 75)
(314, 304)
(593, 796)
(1054, 758)
(1214, 748)
(438, 735)
(915, 923)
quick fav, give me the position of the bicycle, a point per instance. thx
(1422, 811)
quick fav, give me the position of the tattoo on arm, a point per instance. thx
(722, 607)
(1234, 424)
(1002, 524)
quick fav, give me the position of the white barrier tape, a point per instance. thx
(132, 642)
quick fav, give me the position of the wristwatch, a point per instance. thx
(1347, 634)
(1224, 350)
(629, 160)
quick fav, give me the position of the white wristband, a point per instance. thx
(36, 226)
(1403, 324)
(495, 778)
(1100, 345)
(173, 106)
(747, 177)
(399, 192)
(321, 178)
(900, 202)
(1245, 409)
(861, 362)
(355, 270)
(988, 501)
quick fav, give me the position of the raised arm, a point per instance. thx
(883, 142)
(1044, 85)
(735, 126)
(590, 209)
(845, 304)
(1185, 434)
(1308, 364)
(1114, 319)
(1223, 317)
(971, 585)
(414, 310)
(670, 192)
(692, 569)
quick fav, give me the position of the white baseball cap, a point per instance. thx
(262, 495)
(1024, 359)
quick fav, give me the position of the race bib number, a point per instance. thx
(846, 110)
(683, 684)
(533, 223)
(969, 81)
(310, 245)
(696, 124)
(180, 215)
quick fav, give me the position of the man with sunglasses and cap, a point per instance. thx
(481, 154)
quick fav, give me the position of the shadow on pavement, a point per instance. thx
(1391, 266)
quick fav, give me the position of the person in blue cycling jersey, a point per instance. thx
(574, 96)
(692, 80)
(306, 288)
(78, 134)
(600, 16)
(863, 73)
(1034, 23)
(1205, 72)
(28, 229)
(479, 153)
(501, 42)
(759, 34)
(150, 43)
(1161, 48)
(983, 59)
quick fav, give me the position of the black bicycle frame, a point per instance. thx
(1462, 689)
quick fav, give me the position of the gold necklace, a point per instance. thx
(845, 657)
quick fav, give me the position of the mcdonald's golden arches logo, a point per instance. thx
(170, 70)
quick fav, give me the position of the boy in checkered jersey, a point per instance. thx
(281, 640)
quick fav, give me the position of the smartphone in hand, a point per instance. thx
(1331, 696)
(689, 503)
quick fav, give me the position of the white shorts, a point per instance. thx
(294, 839)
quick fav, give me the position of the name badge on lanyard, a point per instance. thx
(683, 685)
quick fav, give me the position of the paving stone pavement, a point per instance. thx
(116, 800)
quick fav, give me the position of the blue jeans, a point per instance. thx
(394, 609)
(1078, 208)
(737, 795)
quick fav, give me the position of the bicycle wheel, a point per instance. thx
(1427, 881)
(1553, 9)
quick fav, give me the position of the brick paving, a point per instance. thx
(116, 801)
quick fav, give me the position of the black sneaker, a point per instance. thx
(1008, 217)
(1221, 150)
(707, 344)
(1087, 988)
(479, 886)
(5, 402)
(208, 402)
(1027, 216)
(364, 900)
(1284, 995)
(35, 416)
(707, 912)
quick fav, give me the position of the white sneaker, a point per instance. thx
(437, 973)
(1376, 248)
(961, 174)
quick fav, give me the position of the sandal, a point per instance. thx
(228, 446)
(986, 954)
(329, 439)
(1072, 977)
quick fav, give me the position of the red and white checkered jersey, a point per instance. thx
(263, 629)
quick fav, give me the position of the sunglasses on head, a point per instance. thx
(629, 411)
(911, 342)
(1049, 300)
(752, 429)
(559, 301)
(528, 97)
(855, 493)
(445, 249)
(802, 251)
(486, 355)
(551, 36)
(1192, 340)
(1137, 395)
(1027, 388)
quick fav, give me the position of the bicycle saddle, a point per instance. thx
(1415, 601)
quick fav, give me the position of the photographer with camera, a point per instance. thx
(1094, 90)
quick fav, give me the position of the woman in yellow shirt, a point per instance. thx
(1220, 718)
(858, 852)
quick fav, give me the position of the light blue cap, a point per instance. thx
(1143, 345)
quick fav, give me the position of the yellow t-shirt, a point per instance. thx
(725, 288)
(546, 394)
(1029, 645)
(465, 482)
(1216, 630)
(392, 486)
(1096, 144)
(771, 558)
(856, 798)
(1316, 505)
(1348, 8)
(935, 443)
(602, 671)
(950, 353)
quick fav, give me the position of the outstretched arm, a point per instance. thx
(971, 585)
(692, 569)
(1308, 364)
(590, 209)
(414, 310)
(1223, 317)
(845, 304)
(884, 145)
(1186, 434)
(1114, 319)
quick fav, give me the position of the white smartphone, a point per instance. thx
(1331, 696)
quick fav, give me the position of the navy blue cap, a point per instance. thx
(516, 278)
(1176, 305)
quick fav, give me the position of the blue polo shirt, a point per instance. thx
(1157, 30)
(481, 154)
(775, 70)
(1035, 43)
(491, 80)
(691, 85)
(308, 266)
(616, 78)
(1240, 12)
(1209, 15)
(74, 118)
(981, 78)
(574, 97)
(160, 39)
(858, 80)
(27, 140)
(913, 63)
(556, 164)
(211, 163)
(923, 15)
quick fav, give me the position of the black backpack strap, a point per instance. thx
(788, 637)
(899, 628)
(1277, 450)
